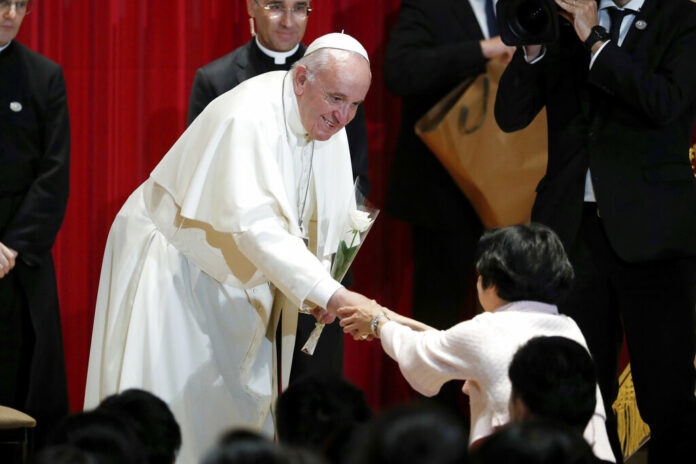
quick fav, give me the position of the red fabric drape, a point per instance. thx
(129, 65)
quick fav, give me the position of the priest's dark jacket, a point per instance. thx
(34, 184)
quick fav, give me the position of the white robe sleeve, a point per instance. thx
(225, 171)
(284, 259)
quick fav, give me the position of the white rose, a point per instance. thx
(360, 220)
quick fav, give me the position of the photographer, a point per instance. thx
(620, 192)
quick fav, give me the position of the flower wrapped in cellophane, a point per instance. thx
(358, 222)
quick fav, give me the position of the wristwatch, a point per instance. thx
(597, 34)
(375, 322)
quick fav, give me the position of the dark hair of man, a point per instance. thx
(524, 262)
(417, 433)
(246, 452)
(240, 434)
(63, 454)
(555, 378)
(313, 409)
(153, 422)
(534, 442)
(259, 451)
(107, 437)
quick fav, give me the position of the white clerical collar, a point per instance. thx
(5, 46)
(293, 120)
(278, 57)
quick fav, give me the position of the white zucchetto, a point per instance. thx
(337, 40)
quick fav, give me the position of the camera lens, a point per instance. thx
(525, 22)
(531, 17)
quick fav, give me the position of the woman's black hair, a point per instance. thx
(524, 262)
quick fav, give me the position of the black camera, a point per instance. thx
(527, 22)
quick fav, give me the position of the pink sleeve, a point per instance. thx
(429, 359)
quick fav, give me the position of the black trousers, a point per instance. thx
(444, 288)
(653, 303)
(327, 359)
(16, 343)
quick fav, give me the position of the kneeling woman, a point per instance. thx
(523, 273)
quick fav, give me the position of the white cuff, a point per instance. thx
(322, 292)
(538, 58)
(595, 55)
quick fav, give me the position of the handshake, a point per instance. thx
(360, 317)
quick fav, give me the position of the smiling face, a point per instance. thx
(10, 20)
(328, 98)
(278, 32)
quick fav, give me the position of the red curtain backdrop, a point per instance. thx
(129, 65)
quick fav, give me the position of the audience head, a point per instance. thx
(246, 451)
(421, 433)
(107, 437)
(250, 448)
(533, 442)
(314, 410)
(63, 454)
(553, 378)
(240, 434)
(524, 262)
(152, 420)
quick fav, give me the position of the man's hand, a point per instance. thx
(342, 297)
(495, 47)
(7, 259)
(582, 14)
(323, 316)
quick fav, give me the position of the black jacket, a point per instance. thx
(629, 119)
(433, 48)
(34, 184)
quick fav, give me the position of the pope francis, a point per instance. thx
(232, 231)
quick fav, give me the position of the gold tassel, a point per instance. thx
(633, 432)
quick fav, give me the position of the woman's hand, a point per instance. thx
(356, 320)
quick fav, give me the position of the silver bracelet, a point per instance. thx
(375, 321)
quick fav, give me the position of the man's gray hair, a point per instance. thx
(321, 59)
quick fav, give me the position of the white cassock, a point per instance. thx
(204, 254)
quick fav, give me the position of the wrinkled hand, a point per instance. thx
(494, 47)
(323, 316)
(7, 259)
(344, 297)
(356, 320)
(582, 14)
